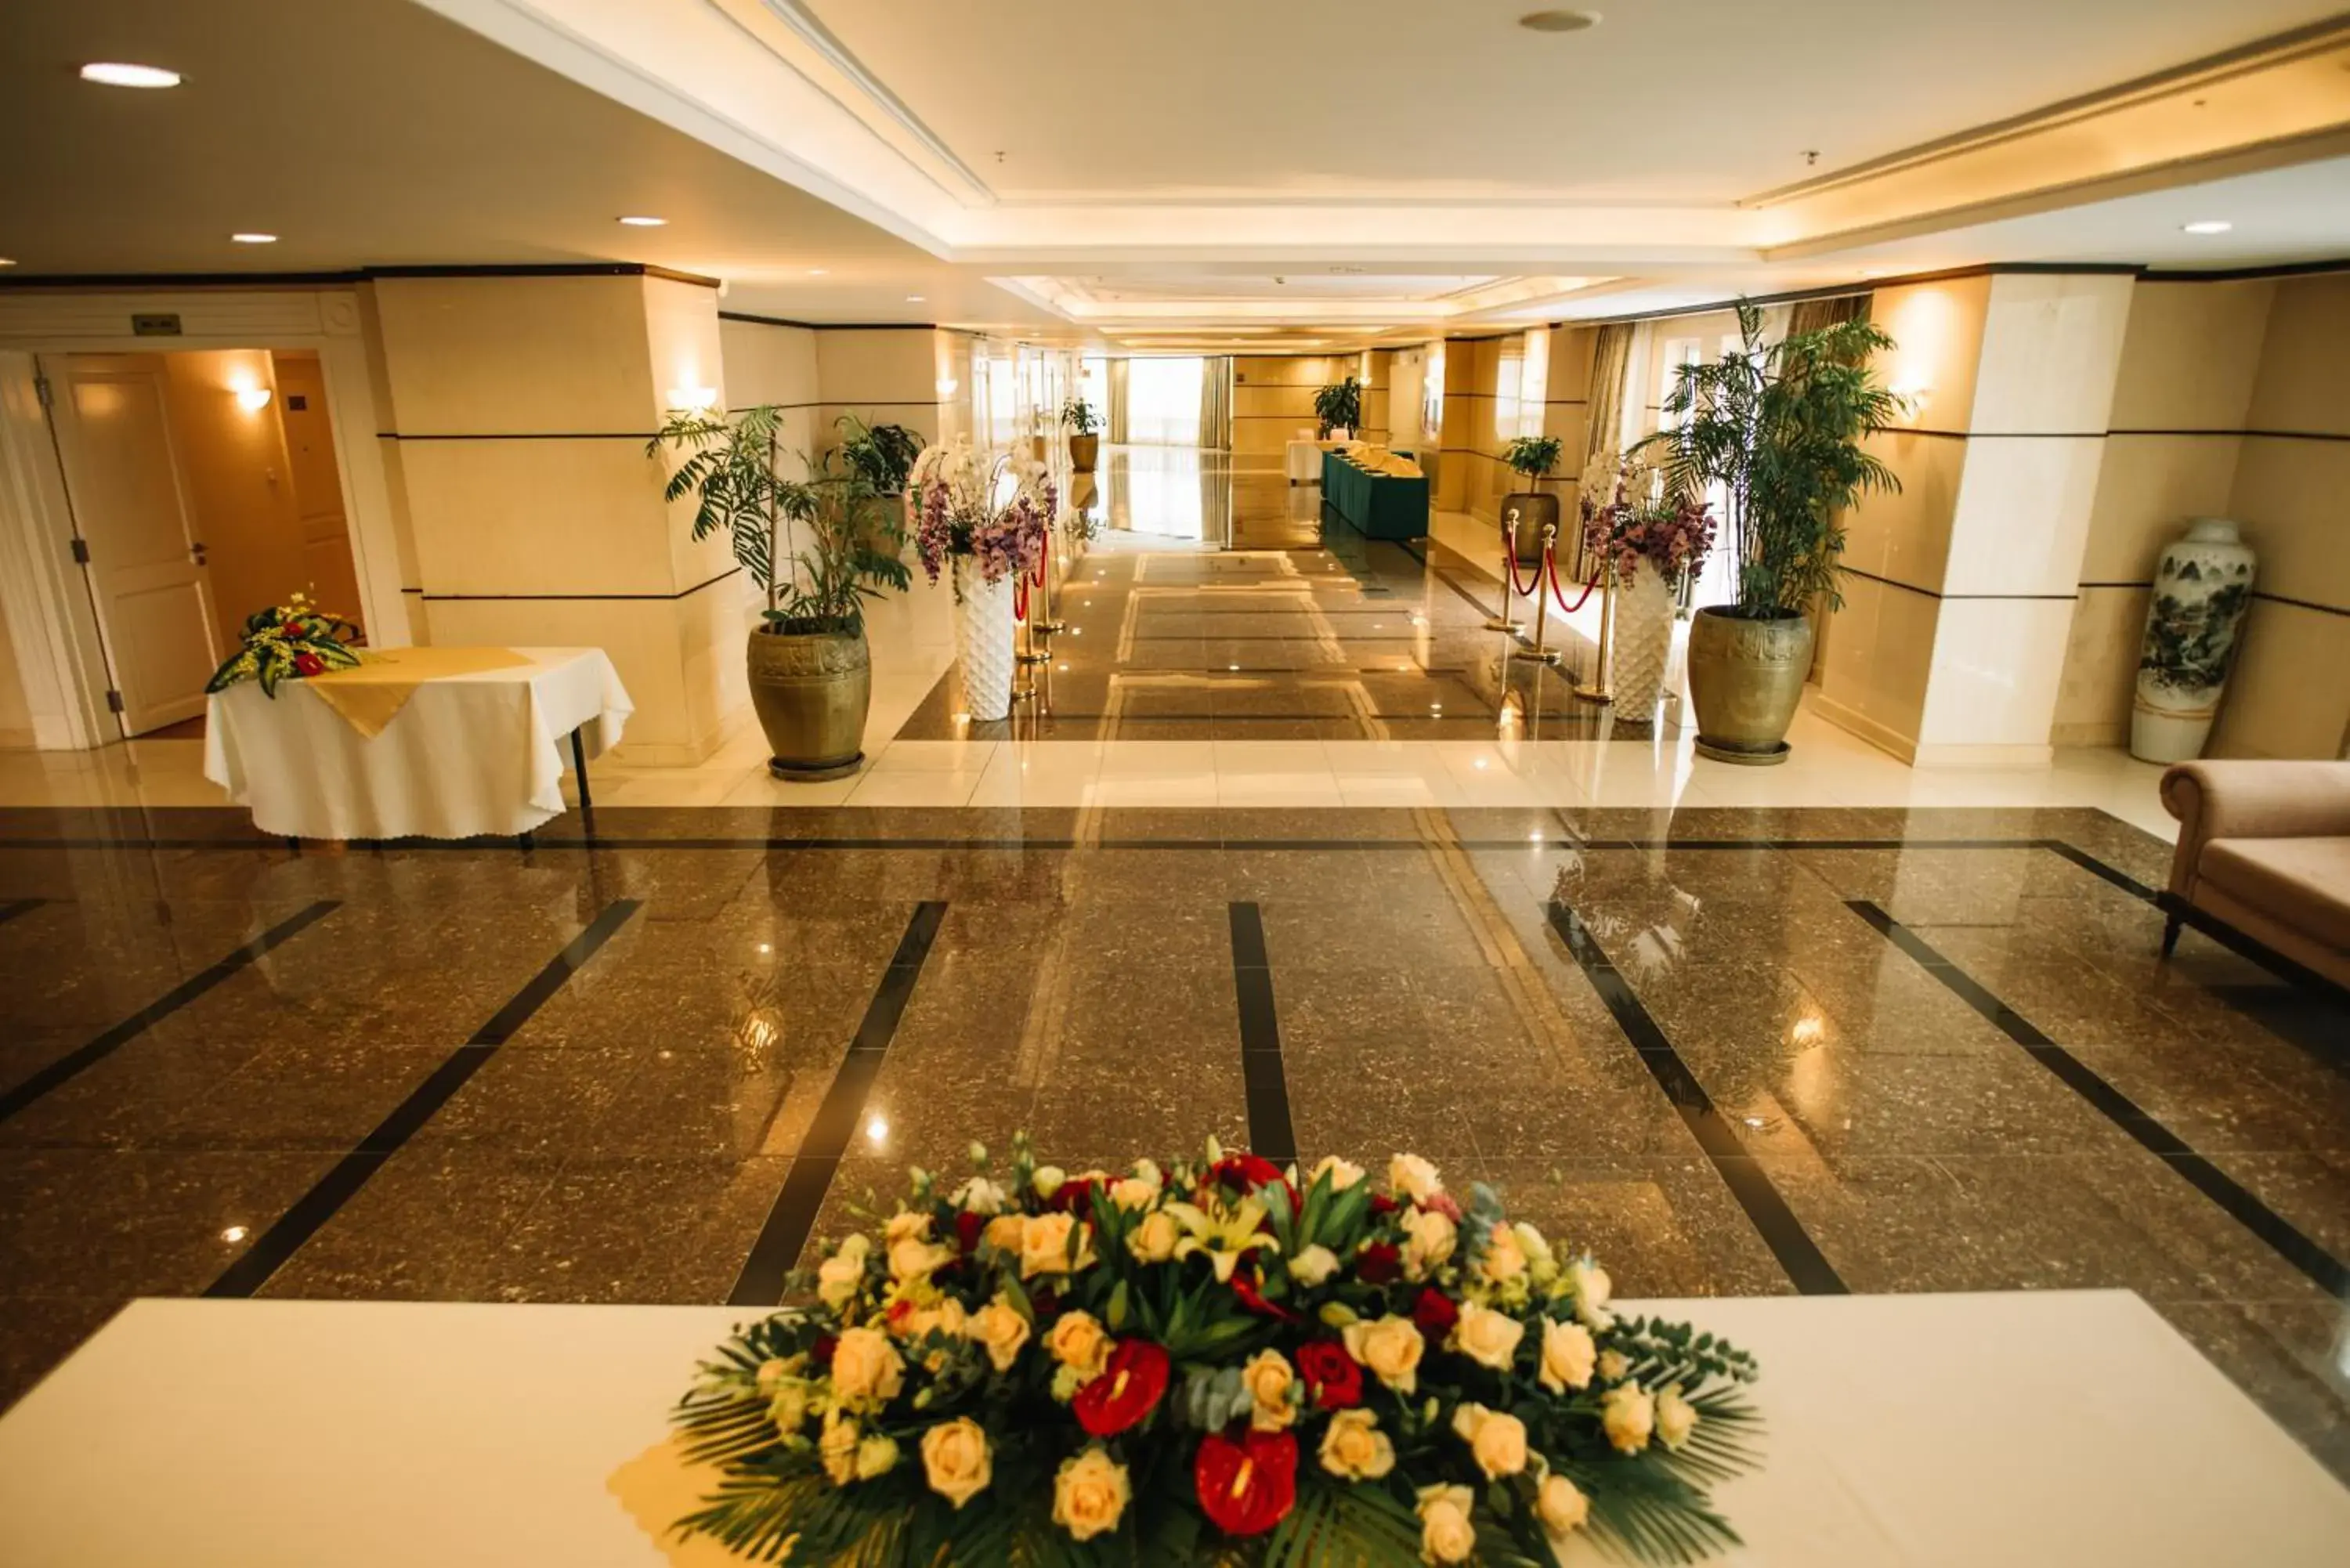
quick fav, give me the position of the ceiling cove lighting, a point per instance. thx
(2207, 226)
(117, 73)
(1559, 21)
(252, 400)
(640, 221)
(255, 239)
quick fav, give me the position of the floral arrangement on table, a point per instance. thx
(1628, 519)
(990, 509)
(1215, 1360)
(287, 642)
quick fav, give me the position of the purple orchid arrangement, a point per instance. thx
(1627, 522)
(963, 510)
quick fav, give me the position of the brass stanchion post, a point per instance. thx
(1504, 621)
(1597, 689)
(1538, 649)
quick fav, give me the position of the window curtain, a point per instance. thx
(1163, 402)
(1611, 364)
(1818, 314)
(1216, 403)
(1116, 420)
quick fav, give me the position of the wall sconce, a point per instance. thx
(252, 400)
(947, 385)
(693, 399)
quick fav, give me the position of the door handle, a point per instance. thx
(196, 552)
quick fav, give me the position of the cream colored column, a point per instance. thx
(520, 408)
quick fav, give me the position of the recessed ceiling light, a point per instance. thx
(815, 272)
(640, 221)
(1559, 21)
(255, 239)
(915, 299)
(115, 73)
(2207, 227)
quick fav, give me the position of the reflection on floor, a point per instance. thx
(1733, 1051)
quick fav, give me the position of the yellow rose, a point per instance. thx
(911, 1258)
(1568, 1356)
(1000, 1331)
(1612, 1365)
(1140, 1190)
(1004, 1233)
(957, 1460)
(1592, 1289)
(1628, 1416)
(1343, 1173)
(1090, 1494)
(876, 1455)
(1391, 1347)
(1353, 1448)
(1487, 1337)
(1428, 1238)
(1313, 1265)
(1561, 1506)
(1048, 1179)
(903, 1224)
(788, 1406)
(1045, 1245)
(1153, 1241)
(1503, 1258)
(839, 1277)
(1268, 1378)
(1414, 1178)
(1496, 1439)
(837, 1447)
(1079, 1343)
(1445, 1533)
(775, 1370)
(866, 1367)
(1676, 1416)
(979, 1196)
(1537, 1250)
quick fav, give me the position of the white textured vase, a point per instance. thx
(1642, 643)
(983, 640)
(2202, 586)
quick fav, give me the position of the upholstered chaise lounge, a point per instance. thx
(2264, 853)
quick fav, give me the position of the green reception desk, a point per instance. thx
(1377, 505)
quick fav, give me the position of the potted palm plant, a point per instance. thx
(1085, 442)
(1530, 457)
(1778, 427)
(1339, 407)
(882, 455)
(817, 548)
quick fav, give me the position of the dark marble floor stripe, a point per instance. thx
(315, 1208)
(15, 907)
(1797, 1253)
(1271, 1133)
(2289, 1243)
(761, 1281)
(2097, 867)
(73, 1062)
(785, 841)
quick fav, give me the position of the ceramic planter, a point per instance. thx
(983, 641)
(1746, 677)
(811, 691)
(1534, 509)
(2202, 586)
(1643, 642)
(1083, 451)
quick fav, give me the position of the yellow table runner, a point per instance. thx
(371, 695)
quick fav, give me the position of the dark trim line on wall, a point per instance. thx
(352, 275)
(520, 435)
(766, 320)
(2144, 584)
(2300, 604)
(1893, 583)
(832, 326)
(596, 598)
(1955, 598)
(2242, 273)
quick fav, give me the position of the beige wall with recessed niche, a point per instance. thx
(1272, 399)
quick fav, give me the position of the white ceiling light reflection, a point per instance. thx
(119, 73)
(235, 1234)
(877, 1130)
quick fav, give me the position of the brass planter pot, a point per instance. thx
(1746, 678)
(1534, 508)
(811, 691)
(1083, 451)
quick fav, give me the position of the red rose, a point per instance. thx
(968, 1227)
(1383, 1204)
(308, 663)
(1434, 1312)
(1331, 1375)
(826, 1344)
(1443, 1203)
(1246, 1487)
(1379, 1263)
(294, 629)
(1126, 1391)
(1244, 1172)
(1076, 1196)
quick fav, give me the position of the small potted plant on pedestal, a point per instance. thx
(1338, 409)
(1779, 427)
(1085, 442)
(817, 549)
(1531, 457)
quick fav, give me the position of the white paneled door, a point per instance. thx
(146, 564)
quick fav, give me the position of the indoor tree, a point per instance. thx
(1339, 406)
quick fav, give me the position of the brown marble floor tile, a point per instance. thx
(42, 1331)
(656, 1231)
(2288, 1356)
(429, 1225)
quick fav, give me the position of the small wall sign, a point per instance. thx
(158, 324)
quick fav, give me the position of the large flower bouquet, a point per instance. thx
(988, 509)
(1627, 520)
(287, 642)
(1210, 1361)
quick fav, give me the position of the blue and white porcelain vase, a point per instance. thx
(2202, 586)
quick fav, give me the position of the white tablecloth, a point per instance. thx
(2025, 1429)
(1304, 460)
(478, 754)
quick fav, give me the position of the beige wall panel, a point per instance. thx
(15, 713)
(1274, 401)
(1375, 407)
(2304, 380)
(2275, 705)
(1880, 648)
(1571, 351)
(527, 355)
(1906, 536)
(1937, 330)
(539, 517)
(1997, 667)
(892, 372)
(2191, 355)
(1569, 422)
(2052, 345)
(2150, 486)
(2292, 497)
(768, 364)
(2093, 702)
(2023, 514)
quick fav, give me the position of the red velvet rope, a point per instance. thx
(1510, 568)
(1550, 569)
(1044, 554)
(1020, 596)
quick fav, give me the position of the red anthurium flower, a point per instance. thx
(308, 663)
(1245, 1286)
(1379, 1263)
(1249, 1486)
(295, 628)
(1331, 1375)
(1126, 1391)
(1435, 1313)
